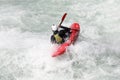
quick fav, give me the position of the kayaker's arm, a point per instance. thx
(66, 28)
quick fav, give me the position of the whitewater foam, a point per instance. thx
(25, 48)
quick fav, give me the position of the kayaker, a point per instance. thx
(59, 34)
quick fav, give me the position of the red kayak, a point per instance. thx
(75, 29)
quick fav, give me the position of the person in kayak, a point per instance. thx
(59, 34)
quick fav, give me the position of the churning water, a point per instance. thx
(25, 48)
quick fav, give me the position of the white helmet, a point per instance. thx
(54, 27)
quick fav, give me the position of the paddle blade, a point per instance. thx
(64, 16)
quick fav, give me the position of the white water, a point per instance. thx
(25, 48)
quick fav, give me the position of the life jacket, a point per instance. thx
(58, 38)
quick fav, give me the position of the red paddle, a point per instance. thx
(63, 17)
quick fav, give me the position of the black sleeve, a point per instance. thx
(66, 28)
